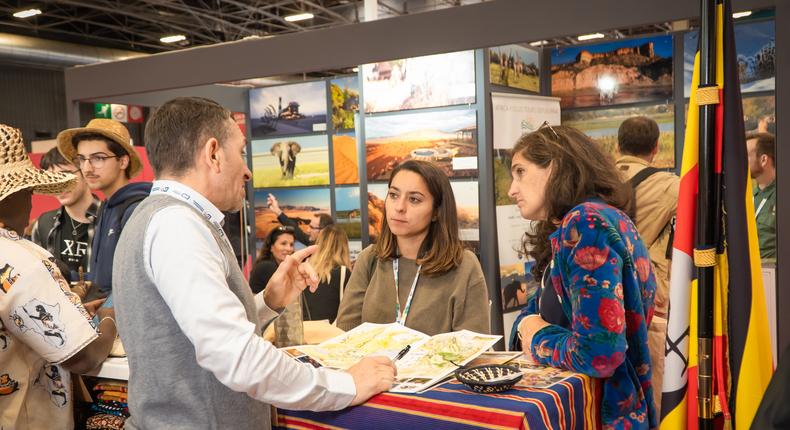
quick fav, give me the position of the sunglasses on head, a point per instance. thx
(551, 129)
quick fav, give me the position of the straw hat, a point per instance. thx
(108, 128)
(17, 172)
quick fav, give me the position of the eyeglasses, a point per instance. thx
(547, 125)
(96, 160)
(285, 228)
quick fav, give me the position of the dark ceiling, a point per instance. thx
(138, 25)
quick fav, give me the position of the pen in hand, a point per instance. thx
(402, 352)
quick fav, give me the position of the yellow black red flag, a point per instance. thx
(740, 317)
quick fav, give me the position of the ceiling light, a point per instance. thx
(591, 36)
(173, 39)
(355, 69)
(299, 17)
(741, 14)
(539, 43)
(27, 13)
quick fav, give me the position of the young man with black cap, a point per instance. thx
(103, 151)
(45, 332)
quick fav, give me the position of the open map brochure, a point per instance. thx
(430, 359)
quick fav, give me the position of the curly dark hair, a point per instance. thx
(580, 170)
(265, 252)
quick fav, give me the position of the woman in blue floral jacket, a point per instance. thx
(592, 314)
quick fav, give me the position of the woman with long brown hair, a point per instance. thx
(332, 263)
(418, 273)
(597, 289)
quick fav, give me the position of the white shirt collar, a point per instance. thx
(195, 199)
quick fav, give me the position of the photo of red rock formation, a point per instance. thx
(625, 71)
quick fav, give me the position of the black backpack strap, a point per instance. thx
(642, 175)
(638, 179)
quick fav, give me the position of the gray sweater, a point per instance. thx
(165, 382)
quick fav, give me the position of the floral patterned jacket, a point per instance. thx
(601, 272)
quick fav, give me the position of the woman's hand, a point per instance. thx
(290, 279)
(527, 328)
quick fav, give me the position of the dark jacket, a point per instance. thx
(299, 234)
(46, 227)
(261, 273)
(112, 217)
(324, 302)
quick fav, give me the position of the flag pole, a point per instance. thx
(705, 249)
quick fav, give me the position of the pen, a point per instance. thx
(402, 352)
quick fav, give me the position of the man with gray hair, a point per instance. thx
(188, 319)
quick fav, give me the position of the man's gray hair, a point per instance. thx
(178, 129)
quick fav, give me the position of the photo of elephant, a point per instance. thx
(286, 152)
(290, 162)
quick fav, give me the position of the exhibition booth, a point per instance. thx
(455, 87)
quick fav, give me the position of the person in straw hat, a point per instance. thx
(103, 151)
(42, 323)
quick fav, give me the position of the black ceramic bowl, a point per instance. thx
(489, 378)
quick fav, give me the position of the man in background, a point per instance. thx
(67, 232)
(656, 194)
(318, 223)
(188, 318)
(761, 150)
(104, 153)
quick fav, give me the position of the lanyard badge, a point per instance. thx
(400, 318)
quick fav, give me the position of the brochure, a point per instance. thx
(430, 359)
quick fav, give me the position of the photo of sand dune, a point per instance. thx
(299, 204)
(447, 138)
(602, 125)
(344, 150)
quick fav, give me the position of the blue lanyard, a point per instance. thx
(187, 197)
(400, 318)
